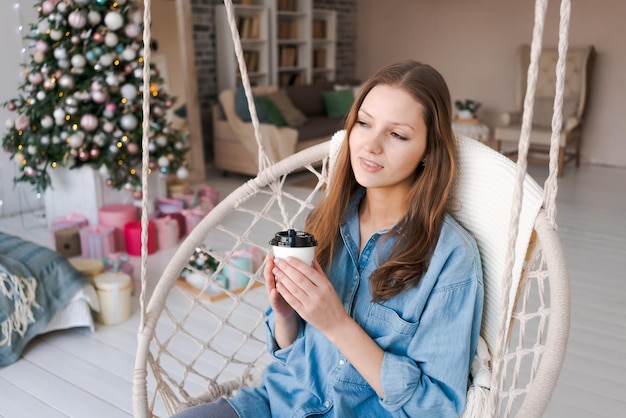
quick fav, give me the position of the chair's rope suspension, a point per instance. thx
(551, 186)
(522, 164)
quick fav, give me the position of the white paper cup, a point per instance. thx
(294, 243)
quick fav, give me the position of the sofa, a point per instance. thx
(304, 115)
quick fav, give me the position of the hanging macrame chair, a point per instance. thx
(194, 349)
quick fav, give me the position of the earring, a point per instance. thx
(424, 162)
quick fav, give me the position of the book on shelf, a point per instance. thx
(319, 29)
(290, 79)
(288, 56)
(288, 29)
(249, 27)
(251, 59)
(287, 5)
(319, 58)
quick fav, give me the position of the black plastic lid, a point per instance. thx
(293, 238)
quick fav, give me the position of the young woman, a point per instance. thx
(386, 321)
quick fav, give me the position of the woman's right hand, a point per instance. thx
(279, 306)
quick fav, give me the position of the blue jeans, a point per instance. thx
(217, 409)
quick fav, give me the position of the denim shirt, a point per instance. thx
(428, 333)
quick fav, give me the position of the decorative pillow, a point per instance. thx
(271, 111)
(241, 106)
(338, 102)
(542, 113)
(291, 114)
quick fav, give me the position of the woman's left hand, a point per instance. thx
(309, 292)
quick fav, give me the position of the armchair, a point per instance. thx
(578, 74)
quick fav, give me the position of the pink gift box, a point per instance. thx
(167, 206)
(97, 241)
(168, 231)
(208, 198)
(192, 218)
(73, 220)
(132, 231)
(118, 216)
(178, 217)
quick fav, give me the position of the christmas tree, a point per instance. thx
(81, 99)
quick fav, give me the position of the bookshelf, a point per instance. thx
(323, 34)
(253, 25)
(292, 41)
(285, 42)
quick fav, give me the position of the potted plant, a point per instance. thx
(467, 108)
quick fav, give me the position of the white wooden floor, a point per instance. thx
(76, 373)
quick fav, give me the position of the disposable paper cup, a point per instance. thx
(294, 243)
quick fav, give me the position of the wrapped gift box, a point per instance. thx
(118, 216)
(180, 219)
(168, 231)
(192, 218)
(119, 262)
(167, 206)
(73, 220)
(132, 231)
(67, 241)
(97, 241)
(208, 198)
(235, 273)
(189, 200)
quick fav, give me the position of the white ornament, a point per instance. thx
(77, 19)
(161, 140)
(128, 54)
(43, 26)
(61, 7)
(75, 141)
(47, 7)
(182, 173)
(94, 18)
(65, 64)
(137, 17)
(111, 80)
(106, 60)
(98, 140)
(113, 20)
(56, 140)
(41, 95)
(60, 53)
(111, 39)
(47, 122)
(138, 73)
(131, 30)
(45, 140)
(56, 35)
(129, 91)
(151, 147)
(78, 61)
(32, 150)
(128, 122)
(42, 46)
(10, 123)
(66, 81)
(82, 2)
(108, 127)
(163, 161)
(35, 78)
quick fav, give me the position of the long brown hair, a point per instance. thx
(427, 198)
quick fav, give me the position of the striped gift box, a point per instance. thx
(97, 241)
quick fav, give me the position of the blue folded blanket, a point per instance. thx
(35, 283)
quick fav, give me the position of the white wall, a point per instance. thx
(20, 197)
(472, 43)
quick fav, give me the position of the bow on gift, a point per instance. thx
(113, 262)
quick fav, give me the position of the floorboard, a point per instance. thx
(76, 373)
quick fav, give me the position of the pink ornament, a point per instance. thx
(42, 46)
(110, 108)
(109, 183)
(98, 37)
(29, 171)
(89, 122)
(21, 123)
(137, 195)
(95, 153)
(47, 7)
(132, 148)
(11, 106)
(48, 84)
(83, 155)
(98, 96)
(35, 78)
(77, 19)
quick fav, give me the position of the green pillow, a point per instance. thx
(338, 102)
(241, 107)
(271, 111)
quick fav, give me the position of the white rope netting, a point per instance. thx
(201, 341)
